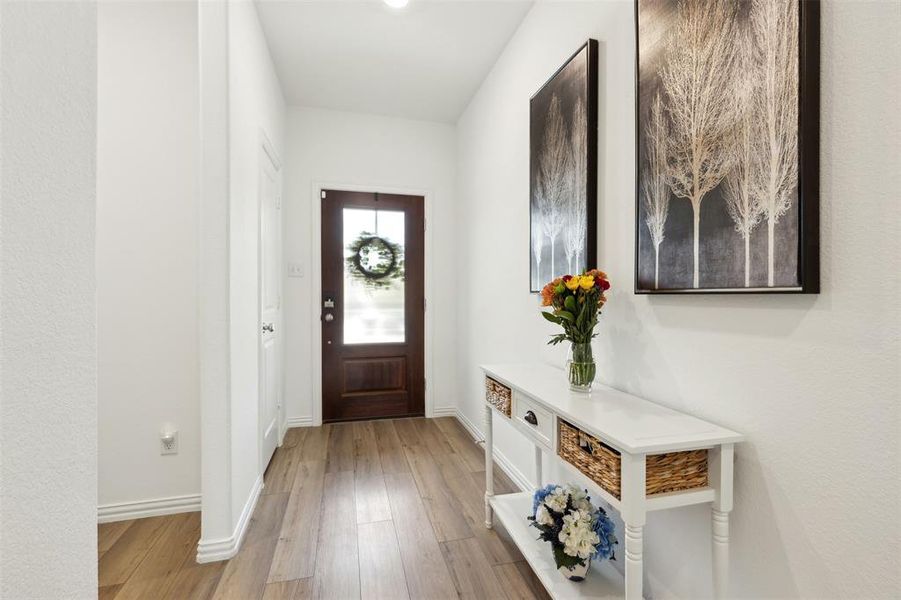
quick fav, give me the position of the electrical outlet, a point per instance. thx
(169, 442)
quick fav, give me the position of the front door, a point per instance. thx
(373, 304)
(270, 307)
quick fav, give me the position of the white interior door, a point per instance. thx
(270, 305)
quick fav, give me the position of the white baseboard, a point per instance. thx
(123, 511)
(225, 548)
(299, 422)
(444, 411)
(517, 476)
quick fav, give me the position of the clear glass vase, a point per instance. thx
(580, 367)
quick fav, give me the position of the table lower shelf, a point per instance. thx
(603, 580)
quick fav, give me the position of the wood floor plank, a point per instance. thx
(108, 592)
(119, 562)
(366, 449)
(391, 451)
(445, 514)
(304, 589)
(464, 446)
(245, 575)
(159, 569)
(381, 568)
(109, 533)
(294, 437)
(473, 576)
(315, 443)
(337, 572)
(496, 545)
(296, 589)
(424, 567)
(432, 437)
(195, 581)
(441, 450)
(351, 510)
(371, 498)
(295, 552)
(340, 448)
(519, 582)
(502, 483)
(407, 432)
(279, 476)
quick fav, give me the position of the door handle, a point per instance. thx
(530, 418)
(268, 327)
(329, 317)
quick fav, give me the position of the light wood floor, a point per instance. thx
(374, 509)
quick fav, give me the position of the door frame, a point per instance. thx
(267, 153)
(316, 274)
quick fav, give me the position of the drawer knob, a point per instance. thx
(530, 418)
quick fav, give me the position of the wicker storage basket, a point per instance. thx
(498, 395)
(669, 472)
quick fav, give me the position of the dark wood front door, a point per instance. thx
(373, 303)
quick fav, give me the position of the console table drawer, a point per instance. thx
(669, 472)
(533, 417)
(498, 395)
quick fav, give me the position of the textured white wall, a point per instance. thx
(812, 380)
(256, 105)
(217, 525)
(48, 410)
(332, 147)
(147, 248)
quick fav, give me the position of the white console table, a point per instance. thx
(535, 398)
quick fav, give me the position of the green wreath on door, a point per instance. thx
(374, 261)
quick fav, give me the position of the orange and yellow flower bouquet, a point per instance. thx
(576, 301)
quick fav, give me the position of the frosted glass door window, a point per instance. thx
(373, 314)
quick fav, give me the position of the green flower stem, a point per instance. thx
(582, 368)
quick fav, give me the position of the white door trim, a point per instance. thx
(316, 273)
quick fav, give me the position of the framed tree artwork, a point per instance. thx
(727, 131)
(563, 169)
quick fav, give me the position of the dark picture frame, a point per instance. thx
(726, 277)
(573, 88)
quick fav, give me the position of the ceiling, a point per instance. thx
(422, 62)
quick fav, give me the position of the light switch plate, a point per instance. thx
(295, 269)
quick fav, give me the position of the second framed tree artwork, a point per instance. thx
(563, 130)
(727, 122)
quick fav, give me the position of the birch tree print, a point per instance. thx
(720, 95)
(552, 176)
(700, 56)
(562, 129)
(738, 192)
(775, 25)
(654, 187)
(576, 224)
(537, 232)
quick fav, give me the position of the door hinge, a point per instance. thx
(322, 194)
(425, 304)
(425, 383)
(425, 224)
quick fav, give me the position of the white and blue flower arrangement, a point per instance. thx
(577, 530)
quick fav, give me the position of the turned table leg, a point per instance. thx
(489, 468)
(633, 513)
(720, 471)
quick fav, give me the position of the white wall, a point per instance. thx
(812, 380)
(334, 148)
(48, 408)
(256, 105)
(147, 250)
